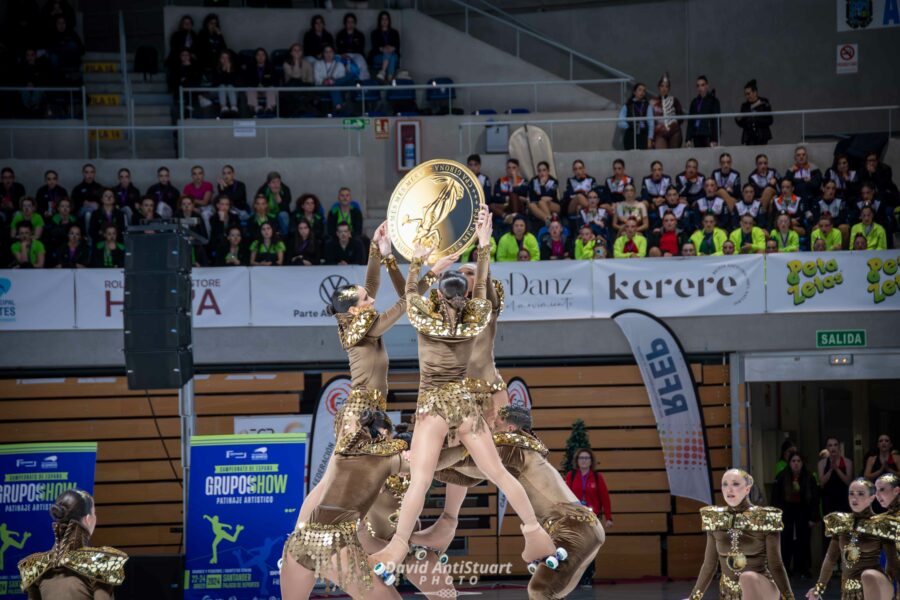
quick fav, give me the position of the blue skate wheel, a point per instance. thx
(391, 579)
(379, 569)
(443, 558)
(552, 562)
(561, 554)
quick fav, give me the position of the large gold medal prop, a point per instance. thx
(436, 204)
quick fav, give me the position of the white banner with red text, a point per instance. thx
(833, 281)
(221, 298)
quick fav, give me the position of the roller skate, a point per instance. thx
(437, 537)
(539, 548)
(388, 558)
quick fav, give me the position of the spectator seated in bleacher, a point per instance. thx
(309, 208)
(509, 198)
(220, 223)
(578, 186)
(467, 253)
(689, 249)
(28, 251)
(589, 246)
(385, 48)
(225, 78)
(668, 238)
(790, 203)
(728, 181)
(315, 39)
(806, 177)
(235, 190)
(672, 204)
(58, 225)
(344, 212)
(146, 211)
(165, 194)
(832, 239)
(516, 239)
(74, 253)
(596, 217)
(108, 214)
(268, 250)
(771, 246)
(86, 195)
(711, 203)
(210, 43)
(49, 194)
(127, 195)
(474, 164)
(784, 235)
(524, 255)
(260, 217)
(655, 185)
(33, 72)
(235, 252)
(556, 244)
(344, 249)
(297, 72)
(278, 199)
(201, 191)
(880, 177)
(835, 208)
(764, 181)
(185, 74)
(614, 187)
(874, 234)
(260, 74)
(330, 72)
(728, 248)
(543, 196)
(304, 247)
(708, 240)
(630, 243)
(690, 182)
(868, 197)
(109, 253)
(748, 238)
(27, 214)
(846, 180)
(182, 38)
(65, 49)
(630, 208)
(11, 191)
(749, 204)
(350, 45)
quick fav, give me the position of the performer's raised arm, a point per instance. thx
(483, 230)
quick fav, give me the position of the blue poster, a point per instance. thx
(33, 476)
(243, 498)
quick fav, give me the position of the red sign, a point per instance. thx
(382, 129)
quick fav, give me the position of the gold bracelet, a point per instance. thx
(819, 589)
(389, 261)
(696, 595)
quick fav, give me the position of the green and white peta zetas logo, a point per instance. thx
(883, 278)
(808, 278)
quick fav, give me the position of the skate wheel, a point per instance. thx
(379, 569)
(421, 553)
(443, 558)
(532, 567)
(552, 562)
(391, 579)
(561, 554)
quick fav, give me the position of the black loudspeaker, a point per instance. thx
(162, 251)
(157, 308)
(153, 578)
(159, 370)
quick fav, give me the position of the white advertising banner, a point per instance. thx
(518, 393)
(545, 290)
(331, 398)
(296, 296)
(673, 399)
(35, 299)
(221, 297)
(681, 287)
(860, 15)
(833, 281)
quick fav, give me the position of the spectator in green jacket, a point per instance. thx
(510, 243)
(708, 241)
(630, 244)
(785, 236)
(831, 237)
(748, 238)
(876, 238)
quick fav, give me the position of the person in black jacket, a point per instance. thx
(304, 248)
(881, 178)
(183, 37)
(107, 214)
(225, 77)
(75, 254)
(796, 493)
(261, 74)
(210, 42)
(344, 249)
(86, 195)
(65, 49)
(165, 194)
(234, 189)
(184, 74)
(557, 244)
(220, 223)
(385, 47)
(316, 38)
(350, 40)
(756, 130)
(703, 133)
(234, 252)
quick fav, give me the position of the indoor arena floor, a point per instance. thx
(642, 590)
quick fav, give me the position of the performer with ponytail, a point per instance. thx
(447, 326)
(745, 541)
(887, 492)
(360, 328)
(72, 569)
(489, 389)
(857, 541)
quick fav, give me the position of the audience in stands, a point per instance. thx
(806, 177)
(278, 199)
(666, 128)
(28, 251)
(225, 78)
(344, 249)
(709, 239)
(786, 239)
(630, 244)
(638, 135)
(304, 248)
(127, 195)
(630, 208)
(234, 253)
(509, 197)
(49, 194)
(260, 74)
(704, 132)
(556, 244)
(74, 253)
(668, 238)
(474, 164)
(615, 183)
(344, 212)
(65, 49)
(350, 44)
(235, 190)
(655, 186)
(86, 195)
(385, 49)
(28, 214)
(316, 38)
(310, 209)
(210, 43)
(330, 72)
(543, 196)
(846, 180)
(748, 238)
(755, 131)
(518, 238)
(267, 250)
(183, 38)
(165, 194)
(11, 191)
(109, 253)
(109, 213)
(578, 186)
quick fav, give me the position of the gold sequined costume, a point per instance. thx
(570, 525)
(745, 538)
(446, 340)
(857, 541)
(360, 466)
(72, 569)
(483, 378)
(360, 336)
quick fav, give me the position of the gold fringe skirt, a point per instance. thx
(851, 589)
(729, 589)
(359, 400)
(453, 402)
(315, 546)
(483, 391)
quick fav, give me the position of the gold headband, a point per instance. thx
(348, 293)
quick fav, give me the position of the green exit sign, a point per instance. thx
(841, 338)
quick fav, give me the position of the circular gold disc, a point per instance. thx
(437, 204)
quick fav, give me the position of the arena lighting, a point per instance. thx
(839, 360)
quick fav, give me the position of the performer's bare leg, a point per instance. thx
(440, 534)
(876, 585)
(426, 574)
(758, 587)
(297, 582)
